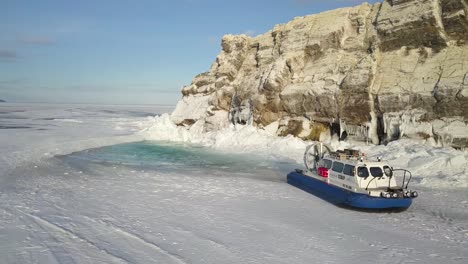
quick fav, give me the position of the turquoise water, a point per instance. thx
(168, 156)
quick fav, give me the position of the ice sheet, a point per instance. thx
(36, 131)
(62, 202)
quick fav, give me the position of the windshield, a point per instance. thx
(337, 166)
(327, 163)
(363, 172)
(348, 170)
(376, 171)
(388, 171)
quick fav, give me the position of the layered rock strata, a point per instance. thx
(380, 72)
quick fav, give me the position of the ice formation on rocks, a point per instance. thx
(384, 71)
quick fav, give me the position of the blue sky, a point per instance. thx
(124, 51)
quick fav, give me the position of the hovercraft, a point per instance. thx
(346, 177)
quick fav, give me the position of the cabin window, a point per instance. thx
(363, 172)
(327, 163)
(338, 166)
(376, 171)
(388, 171)
(348, 170)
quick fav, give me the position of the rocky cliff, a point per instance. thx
(377, 72)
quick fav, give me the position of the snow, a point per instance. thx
(410, 124)
(63, 199)
(190, 107)
(239, 138)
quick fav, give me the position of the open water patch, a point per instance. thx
(184, 158)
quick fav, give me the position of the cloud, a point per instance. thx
(8, 55)
(38, 40)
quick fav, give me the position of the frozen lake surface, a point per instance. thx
(84, 184)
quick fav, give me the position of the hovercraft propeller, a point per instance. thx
(314, 153)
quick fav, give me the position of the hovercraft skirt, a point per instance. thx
(340, 196)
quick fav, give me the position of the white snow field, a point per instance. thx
(113, 184)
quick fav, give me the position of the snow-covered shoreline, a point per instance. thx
(434, 167)
(58, 130)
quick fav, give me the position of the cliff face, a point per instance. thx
(397, 68)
